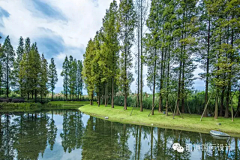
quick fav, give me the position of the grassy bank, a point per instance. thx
(32, 107)
(189, 122)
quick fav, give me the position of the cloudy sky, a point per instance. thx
(60, 27)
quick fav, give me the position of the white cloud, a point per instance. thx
(82, 18)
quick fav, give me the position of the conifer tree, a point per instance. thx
(7, 60)
(72, 76)
(87, 69)
(43, 76)
(65, 75)
(127, 22)
(52, 76)
(110, 47)
(16, 65)
(79, 79)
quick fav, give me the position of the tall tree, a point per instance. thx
(72, 76)
(52, 76)
(79, 79)
(16, 64)
(34, 68)
(110, 46)
(127, 22)
(43, 77)
(65, 75)
(26, 80)
(87, 69)
(151, 44)
(7, 60)
(141, 19)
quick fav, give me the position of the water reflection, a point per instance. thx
(70, 134)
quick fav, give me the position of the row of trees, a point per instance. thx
(181, 36)
(25, 71)
(72, 78)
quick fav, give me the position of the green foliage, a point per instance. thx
(7, 61)
(127, 23)
(65, 75)
(52, 76)
(79, 81)
(16, 65)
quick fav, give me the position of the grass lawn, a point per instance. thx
(189, 122)
(32, 107)
(69, 104)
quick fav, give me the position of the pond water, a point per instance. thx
(70, 134)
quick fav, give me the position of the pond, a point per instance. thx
(70, 134)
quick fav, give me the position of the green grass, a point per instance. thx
(69, 104)
(32, 107)
(189, 122)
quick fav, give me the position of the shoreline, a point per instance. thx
(188, 123)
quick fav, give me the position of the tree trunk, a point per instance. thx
(7, 77)
(138, 66)
(207, 76)
(183, 75)
(216, 106)
(36, 96)
(141, 25)
(161, 84)
(98, 99)
(91, 101)
(179, 86)
(154, 81)
(106, 93)
(112, 92)
(52, 94)
(168, 77)
(222, 102)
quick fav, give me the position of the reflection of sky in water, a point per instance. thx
(169, 135)
(58, 152)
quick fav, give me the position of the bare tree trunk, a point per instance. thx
(112, 92)
(183, 75)
(98, 99)
(154, 81)
(216, 106)
(207, 77)
(141, 98)
(179, 86)
(161, 85)
(222, 100)
(106, 93)
(168, 76)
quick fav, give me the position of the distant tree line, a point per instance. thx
(25, 71)
(181, 36)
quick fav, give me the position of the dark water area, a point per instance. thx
(72, 135)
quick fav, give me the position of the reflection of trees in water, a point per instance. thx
(32, 138)
(25, 135)
(72, 131)
(7, 131)
(52, 132)
(105, 140)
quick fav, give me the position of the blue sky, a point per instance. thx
(59, 27)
